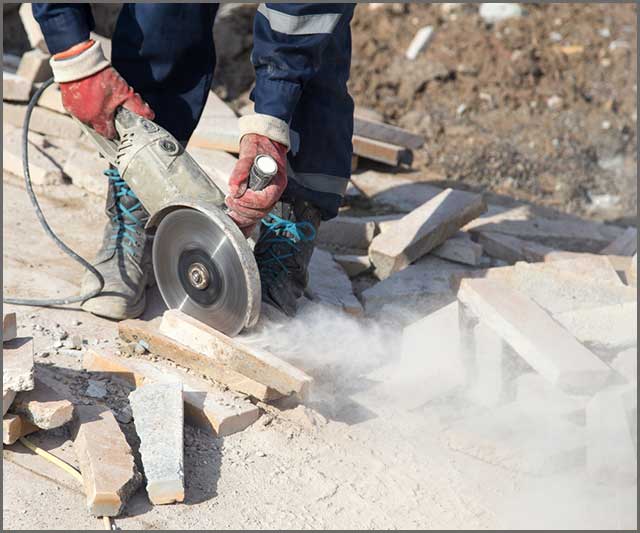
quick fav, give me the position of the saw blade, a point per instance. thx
(199, 270)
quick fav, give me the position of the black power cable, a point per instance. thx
(45, 225)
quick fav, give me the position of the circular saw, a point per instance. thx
(203, 264)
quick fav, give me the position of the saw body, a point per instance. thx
(203, 264)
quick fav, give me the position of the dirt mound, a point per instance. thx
(540, 107)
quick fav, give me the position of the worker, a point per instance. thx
(162, 64)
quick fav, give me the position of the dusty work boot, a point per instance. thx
(124, 259)
(283, 252)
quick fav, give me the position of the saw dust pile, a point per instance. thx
(465, 354)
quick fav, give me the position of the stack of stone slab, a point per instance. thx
(28, 405)
(548, 351)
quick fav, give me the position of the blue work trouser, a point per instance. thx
(167, 54)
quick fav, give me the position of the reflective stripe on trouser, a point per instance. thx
(299, 24)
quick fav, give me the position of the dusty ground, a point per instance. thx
(344, 464)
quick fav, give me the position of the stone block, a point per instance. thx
(329, 284)
(9, 327)
(534, 335)
(7, 399)
(626, 364)
(459, 249)
(609, 328)
(34, 66)
(42, 121)
(423, 286)
(251, 361)
(15, 88)
(17, 364)
(206, 406)
(51, 99)
(611, 453)
(163, 346)
(86, 170)
(43, 170)
(537, 396)
(347, 233)
(14, 427)
(32, 28)
(158, 414)
(422, 230)
(43, 407)
(106, 462)
(625, 244)
(353, 265)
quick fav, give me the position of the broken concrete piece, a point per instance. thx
(32, 28)
(9, 327)
(423, 229)
(42, 169)
(43, 407)
(519, 321)
(460, 249)
(206, 406)
(42, 120)
(7, 399)
(328, 284)
(14, 427)
(611, 454)
(253, 362)
(108, 470)
(353, 265)
(423, 287)
(606, 328)
(17, 364)
(350, 233)
(15, 88)
(632, 272)
(34, 66)
(626, 364)
(625, 244)
(514, 439)
(158, 414)
(86, 170)
(163, 346)
(537, 396)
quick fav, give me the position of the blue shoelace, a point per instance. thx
(282, 231)
(129, 227)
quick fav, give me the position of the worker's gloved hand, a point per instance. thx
(247, 207)
(92, 90)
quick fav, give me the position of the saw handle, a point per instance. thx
(263, 170)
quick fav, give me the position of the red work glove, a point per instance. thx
(94, 98)
(247, 206)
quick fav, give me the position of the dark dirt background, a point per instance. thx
(541, 108)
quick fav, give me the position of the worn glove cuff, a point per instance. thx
(266, 125)
(84, 64)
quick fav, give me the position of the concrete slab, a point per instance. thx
(43, 407)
